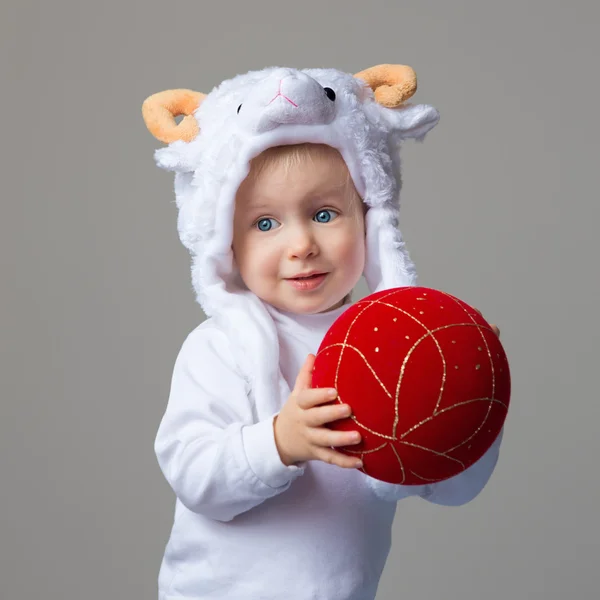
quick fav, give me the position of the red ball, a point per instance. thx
(426, 377)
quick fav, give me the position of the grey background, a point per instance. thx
(500, 207)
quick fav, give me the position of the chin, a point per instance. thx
(305, 307)
(302, 308)
(314, 308)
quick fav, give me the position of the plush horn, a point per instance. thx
(391, 84)
(159, 112)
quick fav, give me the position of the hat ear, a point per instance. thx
(159, 112)
(412, 120)
(391, 84)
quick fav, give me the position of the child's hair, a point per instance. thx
(293, 155)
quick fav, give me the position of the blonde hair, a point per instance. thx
(291, 156)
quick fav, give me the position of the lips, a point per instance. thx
(308, 283)
(309, 275)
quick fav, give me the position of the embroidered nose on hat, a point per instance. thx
(288, 97)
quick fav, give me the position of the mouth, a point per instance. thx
(307, 276)
(308, 282)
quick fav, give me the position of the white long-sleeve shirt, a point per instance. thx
(247, 527)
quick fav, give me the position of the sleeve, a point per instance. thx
(456, 491)
(217, 459)
(466, 486)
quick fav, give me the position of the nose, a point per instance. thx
(302, 244)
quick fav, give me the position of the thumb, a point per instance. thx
(304, 378)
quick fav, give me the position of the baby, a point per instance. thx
(287, 186)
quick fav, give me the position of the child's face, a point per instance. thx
(296, 221)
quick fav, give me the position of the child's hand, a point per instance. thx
(300, 434)
(494, 327)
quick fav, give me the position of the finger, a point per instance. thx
(339, 459)
(320, 415)
(494, 327)
(307, 399)
(304, 378)
(326, 438)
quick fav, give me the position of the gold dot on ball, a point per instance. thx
(454, 341)
(421, 312)
(376, 349)
(480, 348)
(408, 337)
(376, 329)
(456, 366)
(478, 367)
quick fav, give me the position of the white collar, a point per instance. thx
(314, 322)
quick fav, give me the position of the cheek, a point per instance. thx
(242, 253)
(255, 256)
(359, 253)
(352, 246)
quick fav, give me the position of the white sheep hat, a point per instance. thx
(364, 116)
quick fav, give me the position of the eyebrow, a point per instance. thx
(327, 192)
(260, 206)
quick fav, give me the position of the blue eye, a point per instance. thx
(265, 224)
(324, 216)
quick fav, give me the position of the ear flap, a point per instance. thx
(392, 85)
(159, 112)
(413, 120)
